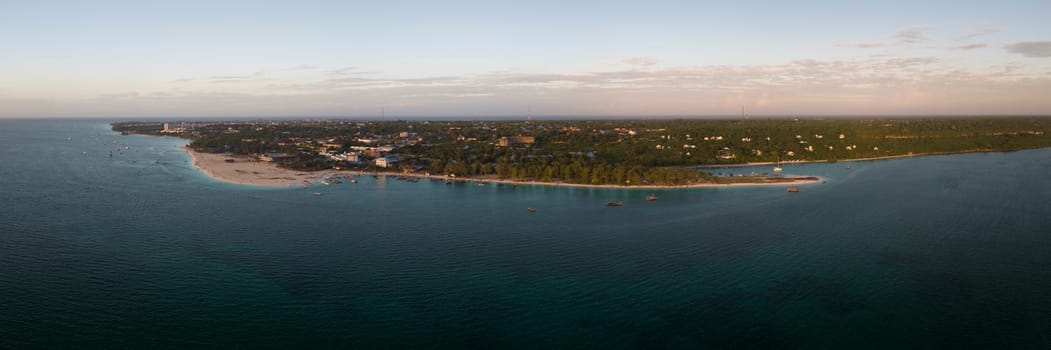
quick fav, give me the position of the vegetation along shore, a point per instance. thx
(613, 153)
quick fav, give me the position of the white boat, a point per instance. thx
(777, 169)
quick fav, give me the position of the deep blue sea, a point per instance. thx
(142, 251)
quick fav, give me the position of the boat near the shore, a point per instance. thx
(651, 197)
(793, 189)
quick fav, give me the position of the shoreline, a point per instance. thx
(247, 171)
(753, 164)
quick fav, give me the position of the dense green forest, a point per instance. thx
(623, 152)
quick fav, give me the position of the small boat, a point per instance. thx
(531, 209)
(614, 204)
(793, 189)
(353, 181)
(777, 169)
(651, 197)
(317, 193)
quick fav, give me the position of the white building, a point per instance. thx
(384, 162)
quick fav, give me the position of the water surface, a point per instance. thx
(142, 251)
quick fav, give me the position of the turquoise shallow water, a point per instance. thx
(142, 251)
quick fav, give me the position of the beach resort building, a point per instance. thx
(385, 162)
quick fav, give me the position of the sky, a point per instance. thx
(138, 59)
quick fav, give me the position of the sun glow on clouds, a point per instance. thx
(633, 86)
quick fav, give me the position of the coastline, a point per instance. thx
(248, 171)
(743, 165)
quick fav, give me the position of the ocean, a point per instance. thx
(140, 250)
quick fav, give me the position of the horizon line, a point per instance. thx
(535, 117)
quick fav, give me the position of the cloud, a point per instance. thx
(863, 45)
(1030, 48)
(874, 84)
(222, 79)
(989, 30)
(970, 47)
(342, 71)
(640, 61)
(912, 35)
(119, 95)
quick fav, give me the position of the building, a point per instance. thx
(515, 140)
(168, 130)
(386, 162)
(725, 154)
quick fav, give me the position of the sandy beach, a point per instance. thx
(249, 171)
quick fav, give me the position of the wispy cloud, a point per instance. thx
(912, 35)
(979, 32)
(970, 47)
(868, 45)
(119, 95)
(342, 71)
(223, 79)
(871, 84)
(1030, 48)
(640, 61)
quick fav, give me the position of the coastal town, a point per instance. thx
(596, 152)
